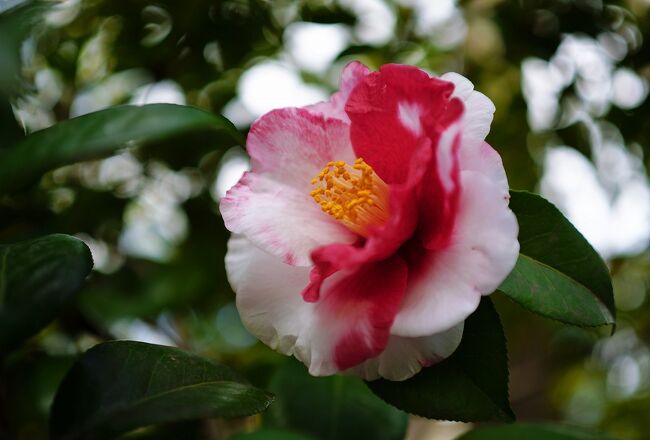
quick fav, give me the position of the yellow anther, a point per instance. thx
(352, 194)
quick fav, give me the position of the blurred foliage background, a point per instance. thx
(570, 80)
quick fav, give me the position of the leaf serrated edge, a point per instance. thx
(585, 242)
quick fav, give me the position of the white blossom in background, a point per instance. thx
(161, 92)
(95, 59)
(313, 46)
(155, 222)
(541, 84)
(234, 163)
(627, 360)
(441, 20)
(629, 90)
(138, 330)
(61, 13)
(122, 170)
(105, 259)
(159, 24)
(608, 200)
(375, 21)
(589, 65)
(34, 110)
(112, 90)
(268, 85)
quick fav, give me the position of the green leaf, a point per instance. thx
(37, 279)
(470, 386)
(271, 434)
(100, 134)
(332, 408)
(11, 131)
(122, 385)
(558, 274)
(533, 431)
(17, 19)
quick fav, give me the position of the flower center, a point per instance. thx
(354, 195)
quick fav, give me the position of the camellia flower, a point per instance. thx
(370, 225)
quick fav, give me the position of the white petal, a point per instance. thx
(482, 158)
(268, 294)
(405, 357)
(479, 109)
(271, 306)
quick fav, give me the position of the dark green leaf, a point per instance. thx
(332, 408)
(271, 434)
(471, 385)
(99, 134)
(121, 385)
(530, 431)
(11, 131)
(37, 279)
(31, 378)
(558, 274)
(17, 18)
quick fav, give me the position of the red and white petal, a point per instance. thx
(439, 203)
(271, 205)
(475, 154)
(392, 110)
(439, 196)
(405, 357)
(292, 145)
(349, 325)
(445, 286)
(280, 219)
(335, 107)
(355, 314)
(383, 240)
(479, 109)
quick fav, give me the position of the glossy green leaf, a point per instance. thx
(471, 385)
(332, 408)
(122, 385)
(100, 134)
(271, 434)
(532, 431)
(558, 274)
(37, 279)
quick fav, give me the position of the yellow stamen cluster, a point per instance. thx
(354, 195)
